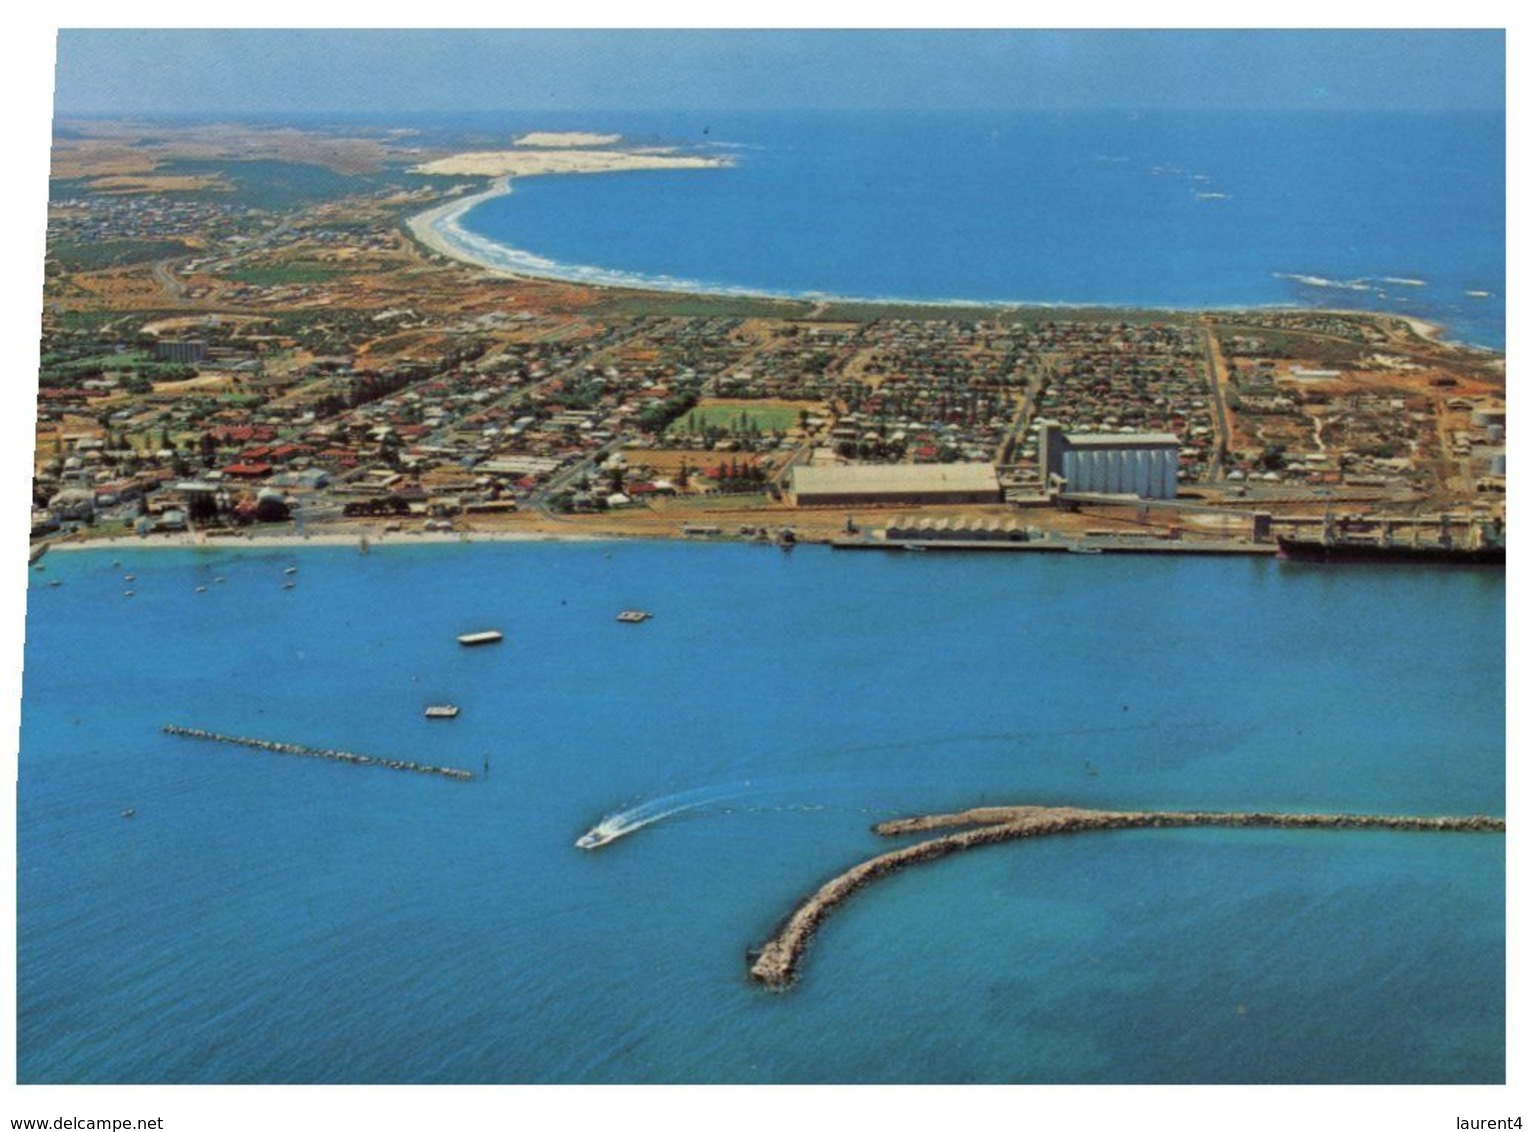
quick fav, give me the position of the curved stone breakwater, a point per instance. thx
(317, 752)
(776, 963)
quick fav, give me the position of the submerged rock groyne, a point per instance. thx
(318, 752)
(776, 963)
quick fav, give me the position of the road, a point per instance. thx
(1219, 377)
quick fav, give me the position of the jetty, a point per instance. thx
(776, 963)
(318, 752)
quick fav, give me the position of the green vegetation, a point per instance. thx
(271, 186)
(137, 370)
(658, 417)
(298, 272)
(638, 304)
(95, 256)
(737, 420)
(635, 304)
(1298, 344)
(1010, 316)
(283, 186)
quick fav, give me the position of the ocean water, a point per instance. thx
(1393, 211)
(269, 919)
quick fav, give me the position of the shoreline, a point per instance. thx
(439, 229)
(274, 541)
(424, 226)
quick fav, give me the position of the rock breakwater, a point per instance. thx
(318, 752)
(776, 963)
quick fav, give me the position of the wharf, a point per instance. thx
(1063, 546)
(776, 963)
(317, 752)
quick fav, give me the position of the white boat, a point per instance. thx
(633, 616)
(484, 637)
(441, 711)
(595, 837)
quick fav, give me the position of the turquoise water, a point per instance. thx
(266, 919)
(1381, 210)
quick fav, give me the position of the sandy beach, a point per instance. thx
(441, 230)
(1422, 328)
(434, 226)
(270, 540)
(567, 139)
(535, 162)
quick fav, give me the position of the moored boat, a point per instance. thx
(1348, 552)
(484, 637)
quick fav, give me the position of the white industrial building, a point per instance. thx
(1143, 464)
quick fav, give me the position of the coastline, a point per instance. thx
(440, 230)
(272, 541)
(430, 228)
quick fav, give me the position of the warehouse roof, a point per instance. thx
(1119, 439)
(877, 478)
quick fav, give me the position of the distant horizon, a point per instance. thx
(275, 71)
(356, 114)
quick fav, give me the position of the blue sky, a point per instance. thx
(150, 71)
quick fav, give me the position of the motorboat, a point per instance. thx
(597, 836)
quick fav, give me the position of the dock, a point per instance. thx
(318, 752)
(776, 963)
(1062, 546)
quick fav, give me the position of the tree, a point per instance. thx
(271, 509)
(202, 507)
